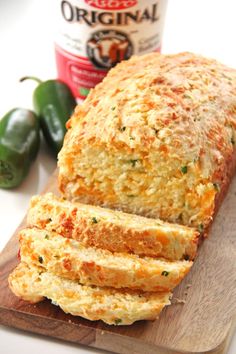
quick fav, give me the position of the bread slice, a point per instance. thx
(119, 307)
(156, 138)
(92, 266)
(112, 230)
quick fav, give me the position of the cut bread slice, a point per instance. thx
(120, 307)
(92, 266)
(113, 230)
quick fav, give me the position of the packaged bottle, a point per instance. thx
(94, 35)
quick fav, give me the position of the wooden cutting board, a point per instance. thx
(203, 323)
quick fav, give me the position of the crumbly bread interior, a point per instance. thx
(112, 230)
(119, 307)
(70, 259)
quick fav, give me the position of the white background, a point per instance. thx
(207, 27)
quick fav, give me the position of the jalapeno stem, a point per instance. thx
(31, 78)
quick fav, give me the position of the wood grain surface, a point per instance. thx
(202, 323)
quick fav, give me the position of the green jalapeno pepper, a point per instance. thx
(54, 104)
(19, 145)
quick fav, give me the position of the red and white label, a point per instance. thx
(111, 4)
(77, 72)
(94, 35)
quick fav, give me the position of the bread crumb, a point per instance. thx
(178, 301)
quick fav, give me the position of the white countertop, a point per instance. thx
(26, 48)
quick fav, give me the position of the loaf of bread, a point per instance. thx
(155, 138)
(112, 230)
(92, 266)
(118, 307)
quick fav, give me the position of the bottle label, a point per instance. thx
(94, 35)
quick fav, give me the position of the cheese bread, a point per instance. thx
(70, 259)
(117, 307)
(156, 138)
(112, 230)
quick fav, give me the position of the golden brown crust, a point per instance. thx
(25, 290)
(154, 138)
(119, 307)
(69, 259)
(112, 230)
(225, 183)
